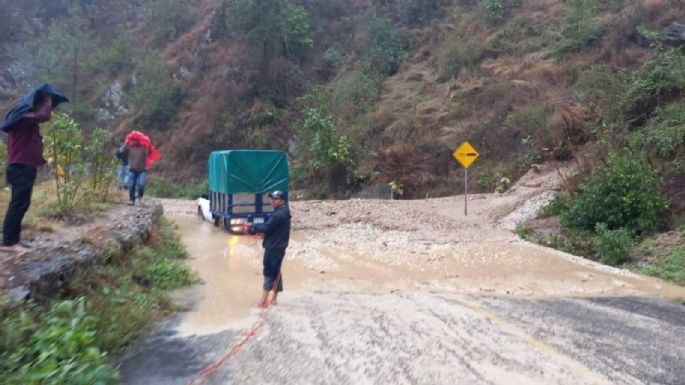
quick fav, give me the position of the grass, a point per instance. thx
(162, 187)
(670, 268)
(103, 311)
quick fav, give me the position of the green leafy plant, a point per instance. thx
(101, 166)
(581, 27)
(155, 91)
(613, 246)
(64, 151)
(624, 193)
(657, 82)
(386, 47)
(503, 185)
(277, 27)
(62, 351)
(168, 274)
(323, 150)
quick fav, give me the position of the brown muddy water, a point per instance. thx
(364, 259)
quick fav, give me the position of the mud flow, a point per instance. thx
(361, 246)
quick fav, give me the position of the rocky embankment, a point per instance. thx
(59, 256)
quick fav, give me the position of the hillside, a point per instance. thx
(402, 81)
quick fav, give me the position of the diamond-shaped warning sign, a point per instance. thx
(466, 154)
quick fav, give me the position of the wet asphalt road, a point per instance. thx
(431, 338)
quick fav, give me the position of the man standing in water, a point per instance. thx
(276, 236)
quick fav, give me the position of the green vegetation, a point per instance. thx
(82, 172)
(613, 246)
(162, 187)
(156, 93)
(276, 27)
(57, 347)
(624, 193)
(386, 47)
(67, 341)
(581, 27)
(671, 268)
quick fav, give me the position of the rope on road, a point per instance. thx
(201, 378)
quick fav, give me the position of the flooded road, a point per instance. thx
(413, 293)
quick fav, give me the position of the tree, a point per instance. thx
(276, 27)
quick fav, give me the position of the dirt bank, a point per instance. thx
(58, 255)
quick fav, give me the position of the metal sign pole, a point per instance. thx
(466, 191)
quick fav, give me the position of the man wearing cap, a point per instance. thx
(24, 156)
(276, 236)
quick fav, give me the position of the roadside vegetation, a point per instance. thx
(73, 337)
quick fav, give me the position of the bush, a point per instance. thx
(276, 27)
(167, 274)
(62, 351)
(624, 193)
(613, 246)
(386, 47)
(581, 27)
(556, 206)
(63, 145)
(156, 92)
(455, 53)
(657, 82)
(168, 19)
(665, 133)
(323, 152)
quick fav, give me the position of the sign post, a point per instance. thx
(466, 155)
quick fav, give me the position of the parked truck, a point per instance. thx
(239, 184)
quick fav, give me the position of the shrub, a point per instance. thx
(322, 151)
(386, 47)
(657, 82)
(455, 53)
(156, 92)
(276, 27)
(613, 246)
(167, 274)
(168, 19)
(665, 133)
(101, 166)
(624, 193)
(63, 147)
(581, 27)
(62, 351)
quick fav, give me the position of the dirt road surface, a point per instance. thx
(414, 292)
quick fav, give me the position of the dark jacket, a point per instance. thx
(276, 230)
(29, 102)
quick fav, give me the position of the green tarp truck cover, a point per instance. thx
(248, 171)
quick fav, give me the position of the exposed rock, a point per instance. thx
(674, 33)
(59, 257)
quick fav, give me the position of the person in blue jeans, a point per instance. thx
(122, 169)
(137, 169)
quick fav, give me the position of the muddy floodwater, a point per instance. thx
(413, 292)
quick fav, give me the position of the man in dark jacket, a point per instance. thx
(24, 156)
(276, 236)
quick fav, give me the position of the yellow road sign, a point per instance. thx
(465, 154)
